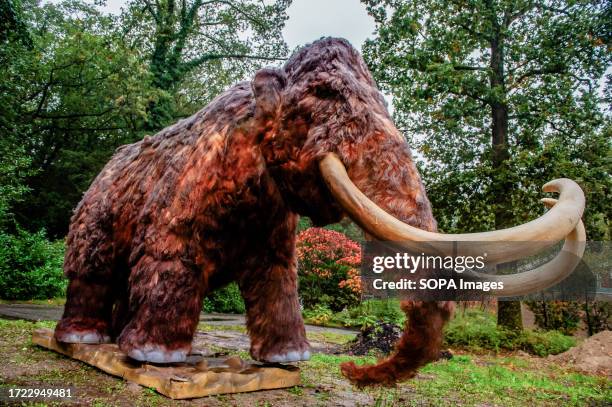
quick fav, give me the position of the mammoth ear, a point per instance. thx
(267, 87)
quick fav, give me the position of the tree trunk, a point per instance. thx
(163, 68)
(508, 312)
(587, 317)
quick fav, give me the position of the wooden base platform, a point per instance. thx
(197, 377)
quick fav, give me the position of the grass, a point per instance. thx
(51, 301)
(329, 337)
(476, 331)
(467, 380)
(510, 381)
(208, 327)
(481, 380)
(472, 329)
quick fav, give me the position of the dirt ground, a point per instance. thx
(27, 365)
(593, 356)
(465, 380)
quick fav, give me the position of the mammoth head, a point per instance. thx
(333, 149)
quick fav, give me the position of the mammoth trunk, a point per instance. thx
(419, 344)
(389, 177)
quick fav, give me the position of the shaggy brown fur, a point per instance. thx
(215, 198)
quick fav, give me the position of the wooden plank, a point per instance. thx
(197, 377)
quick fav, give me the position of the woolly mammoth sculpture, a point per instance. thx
(216, 198)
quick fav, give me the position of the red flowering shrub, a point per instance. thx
(328, 269)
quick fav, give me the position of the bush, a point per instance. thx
(371, 312)
(362, 315)
(563, 316)
(543, 343)
(227, 300)
(328, 269)
(597, 316)
(31, 267)
(476, 330)
(318, 315)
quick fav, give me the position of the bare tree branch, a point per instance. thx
(151, 10)
(469, 68)
(557, 69)
(189, 65)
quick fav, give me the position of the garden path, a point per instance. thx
(37, 312)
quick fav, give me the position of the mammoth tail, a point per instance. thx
(419, 344)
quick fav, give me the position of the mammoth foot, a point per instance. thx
(145, 348)
(291, 356)
(278, 353)
(158, 354)
(82, 330)
(82, 337)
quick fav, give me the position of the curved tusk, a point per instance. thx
(540, 233)
(546, 275)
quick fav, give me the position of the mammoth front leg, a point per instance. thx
(165, 304)
(274, 320)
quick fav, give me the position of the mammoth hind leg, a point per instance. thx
(87, 312)
(89, 266)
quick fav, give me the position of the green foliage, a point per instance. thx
(12, 25)
(319, 314)
(31, 266)
(540, 343)
(471, 330)
(369, 312)
(499, 97)
(563, 316)
(437, 59)
(69, 99)
(303, 224)
(194, 42)
(566, 316)
(362, 315)
(14, 167)
(227, 300)
(77, 83)
(476, 330)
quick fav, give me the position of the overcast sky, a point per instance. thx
(312, 19)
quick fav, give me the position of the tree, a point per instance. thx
(88, 82)
(67, 100)
(499, 96)
(14, 162)
(196, 48)
(12, 25)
